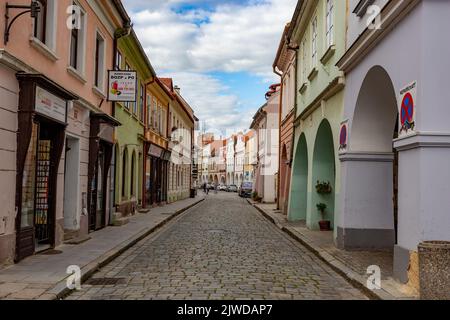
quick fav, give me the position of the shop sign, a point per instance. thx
(49, 105)
(106, 132)
(155, 151)
(122, 86)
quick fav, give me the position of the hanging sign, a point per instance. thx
(155, 151)
(50, 105)
(122, 86)
(343, 136)
(408, 99)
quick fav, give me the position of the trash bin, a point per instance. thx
(193, 193)
(434, 270)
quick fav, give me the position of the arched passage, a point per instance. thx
(299, 187)
(284, 178)
(133, 175)
(370, 182)
(323, 171)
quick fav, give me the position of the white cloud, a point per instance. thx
(231, 38)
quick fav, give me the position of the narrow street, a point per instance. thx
(220, 249)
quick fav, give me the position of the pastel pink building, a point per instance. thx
(56, 126)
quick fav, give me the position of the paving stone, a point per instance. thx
(223, 249)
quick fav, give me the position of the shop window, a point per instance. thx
(132, 176)
(124, 172)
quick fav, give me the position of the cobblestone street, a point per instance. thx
(220, 249)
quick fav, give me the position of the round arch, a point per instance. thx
(298, 203)
(323, 171)
(370, 187)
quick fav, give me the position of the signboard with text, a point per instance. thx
(50, 105)
(122, 86)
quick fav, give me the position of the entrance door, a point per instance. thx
(98, 193)
(42, 224)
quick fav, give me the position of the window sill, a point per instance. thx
(303, 88)
(313, 74)
(328, 54)
(98, 92)
(76, 74)
(42, 47)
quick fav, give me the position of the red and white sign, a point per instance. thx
(50, 105)
(122, 86)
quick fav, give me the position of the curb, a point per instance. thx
(350, 276)
(60, 290)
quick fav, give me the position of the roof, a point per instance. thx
(168, 83)
(122, 11)
(281, 46)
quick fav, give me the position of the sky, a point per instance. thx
(220, 53)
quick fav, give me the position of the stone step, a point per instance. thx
(70, 234)
(120, 222)
(78, 240)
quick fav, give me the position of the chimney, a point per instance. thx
(177, 89)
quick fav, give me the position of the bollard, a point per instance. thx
(434, 270)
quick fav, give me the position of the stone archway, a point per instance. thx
(368, 199)
(323, 171)
(284, 179)
(299, 186)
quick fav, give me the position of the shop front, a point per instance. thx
(101, 146)
(42, 120)
(156, 175)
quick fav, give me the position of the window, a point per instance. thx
(314, 43)
(99, 61)
(330, 22)
(127, 104)
(304, 57)
(141, 104)
(149, 110)
(118, 60)
(77, 39)
(40, 22)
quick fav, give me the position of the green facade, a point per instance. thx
(130, 135)
(319, 109)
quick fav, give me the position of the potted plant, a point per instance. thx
(323, 187)
(324, 225)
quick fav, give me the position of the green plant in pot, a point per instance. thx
(324, 187)
(324, 225)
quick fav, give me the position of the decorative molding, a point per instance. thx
(42, 47)
(390, 16)
(313, 74)
(303, 88)
(362, 156)
(423, 140)
(98, 92)
(76, 74)
(12, 62)
(328, 54)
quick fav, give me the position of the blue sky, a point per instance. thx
(219, 52)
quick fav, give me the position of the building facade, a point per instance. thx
(318, 27)
(266, 126)
(230, 160)
(285, 66)
(55, 176)
(394, 133)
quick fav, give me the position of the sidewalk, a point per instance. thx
(350, 264)
(43, 276)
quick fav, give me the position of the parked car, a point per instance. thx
(222, 187)
(232, 188)
(246, 189)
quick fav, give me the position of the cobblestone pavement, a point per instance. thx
(221, 249)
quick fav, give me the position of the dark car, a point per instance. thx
(246, 190)
(232, 188)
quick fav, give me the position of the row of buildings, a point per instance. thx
(359, 124)
(89, 134)
(363, 124)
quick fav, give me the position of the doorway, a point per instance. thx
(71, 185)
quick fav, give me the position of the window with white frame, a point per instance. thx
(314, 43)
(99, 66)
(330, 23)
(304, 58)
(45, 23)
(78, 38)
(141, 103)
(118, 60)
(149, 110)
